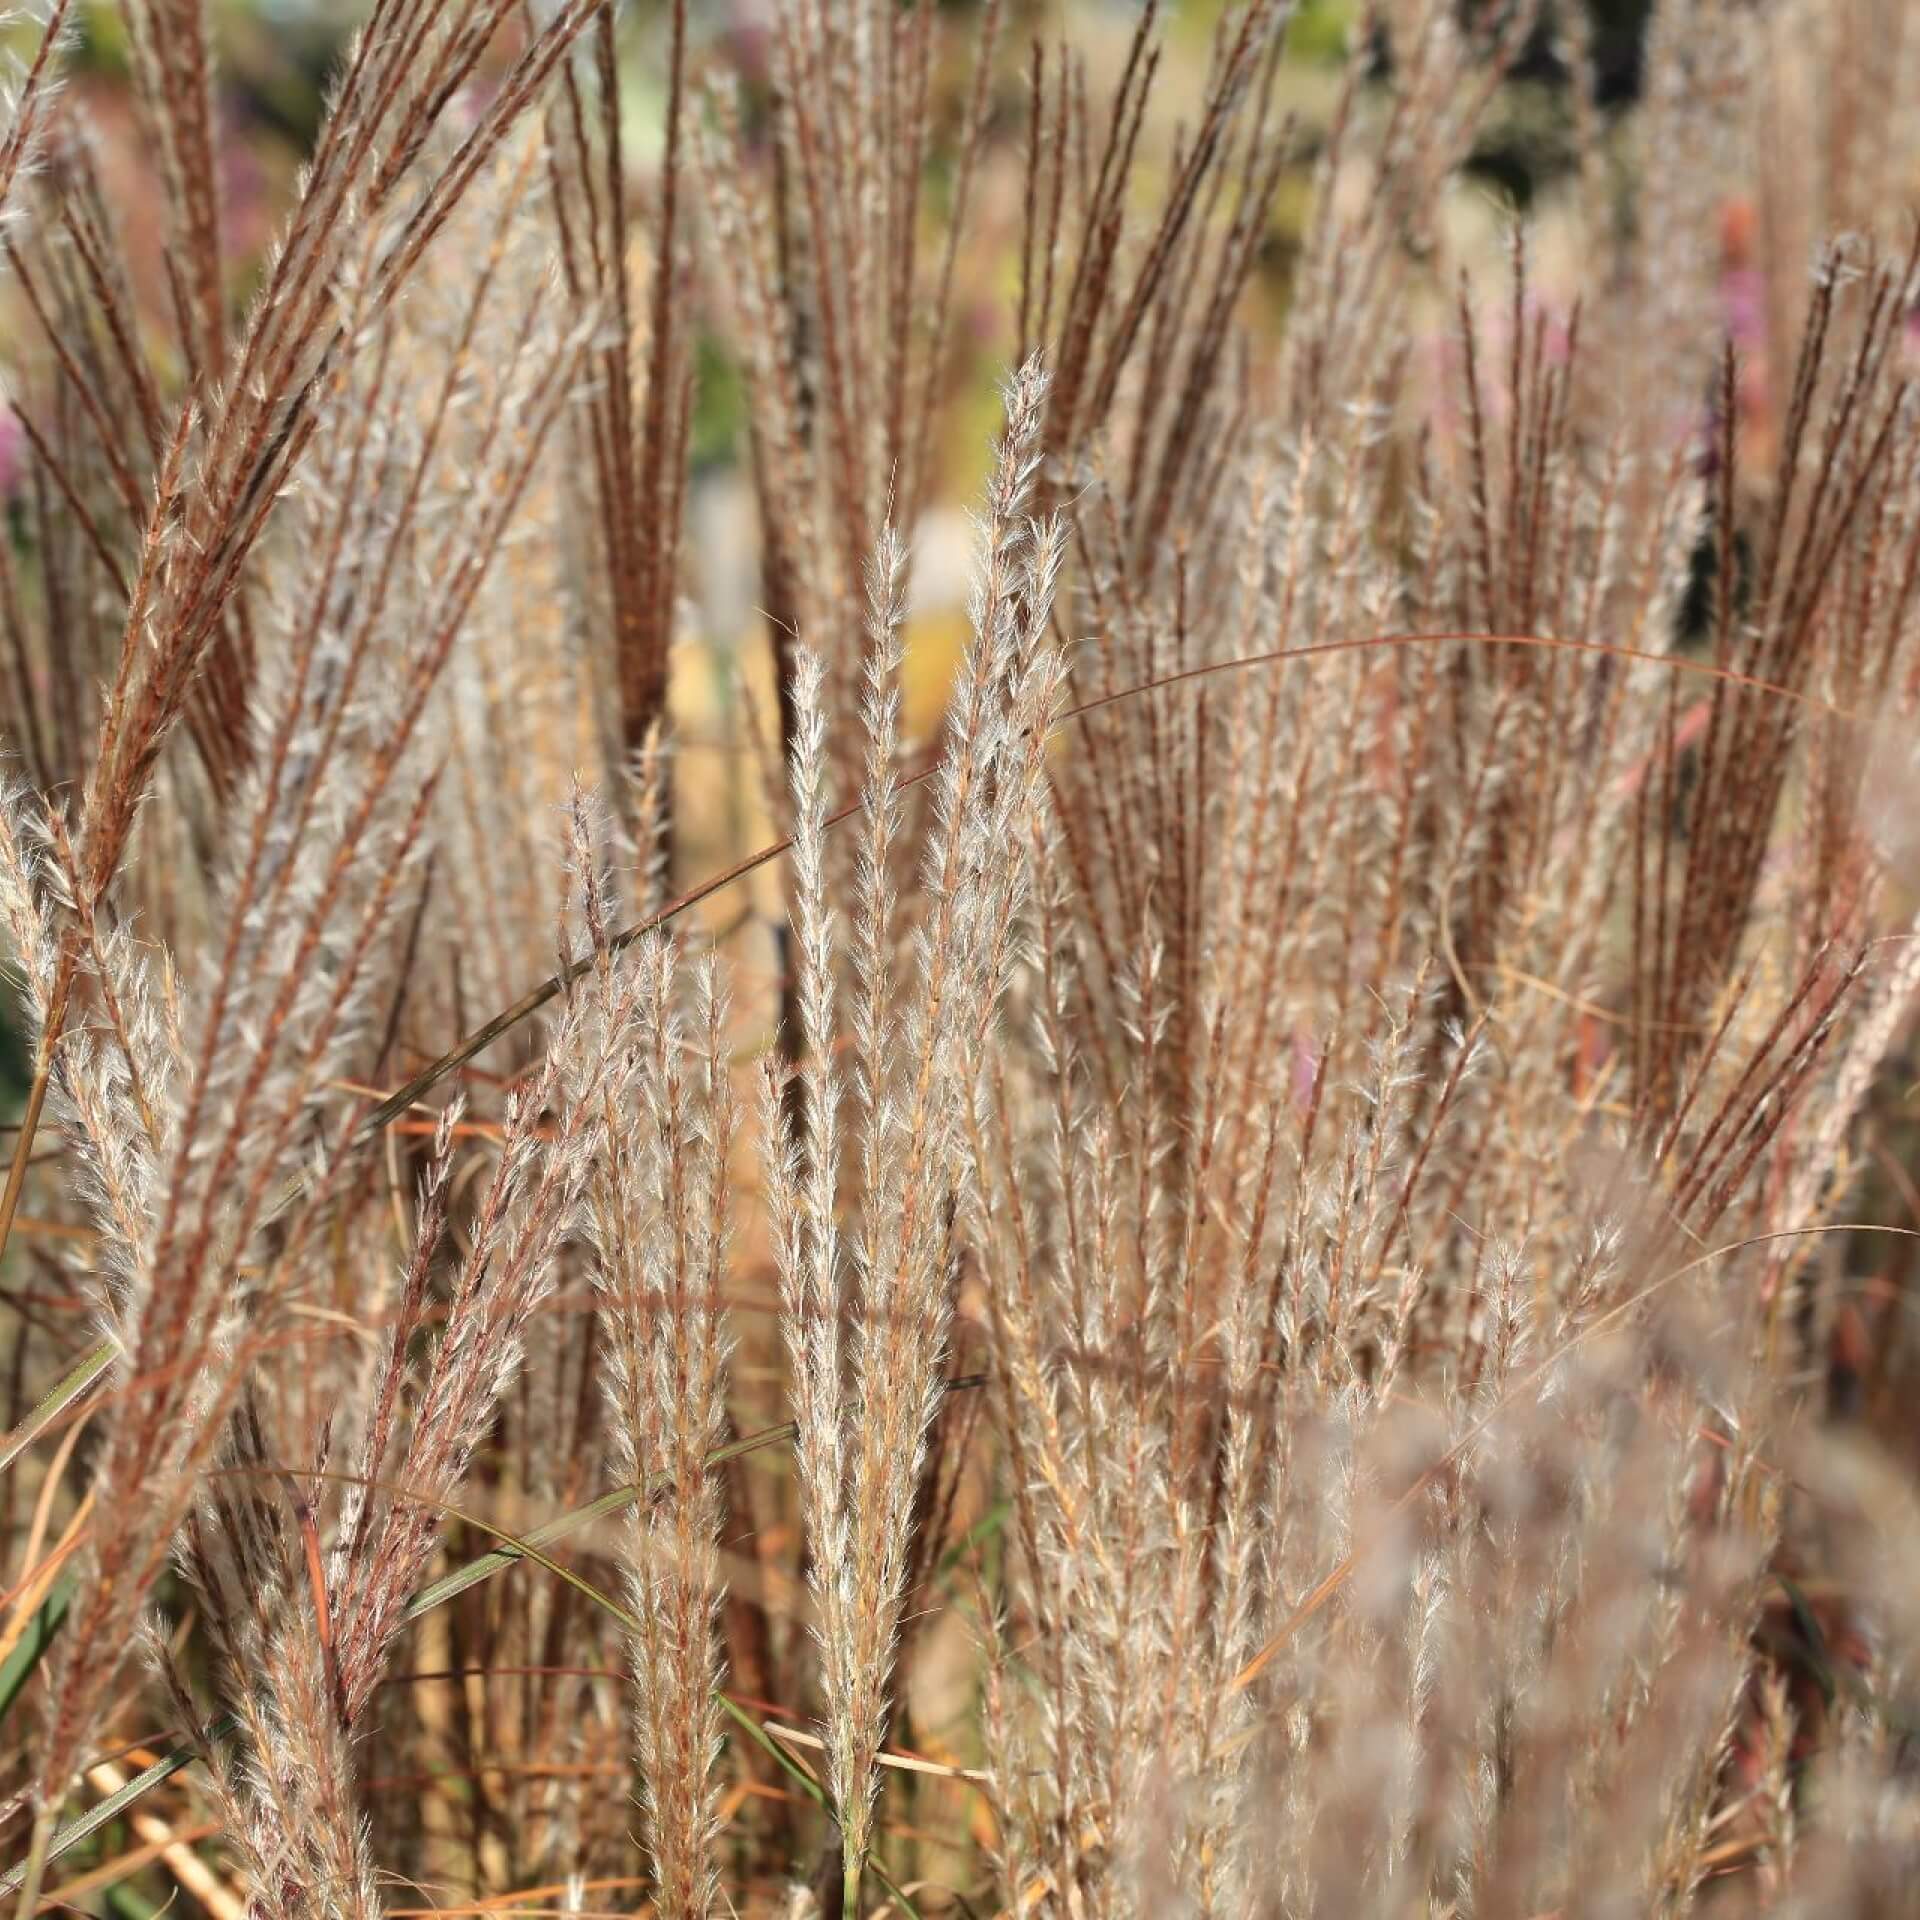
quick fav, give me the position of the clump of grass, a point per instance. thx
(1302, 1321)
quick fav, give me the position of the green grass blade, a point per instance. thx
(56, 1403)
(115, 1804)
(808, 1785)
(17, 1669)
(608, 1504)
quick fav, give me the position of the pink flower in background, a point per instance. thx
(750, 43)
(1742, 289)
(1306, 1070)
(1743, 303)
(1441, 352)
(1557, 331)
(12, 449)
(246, 215)
(1444, 352)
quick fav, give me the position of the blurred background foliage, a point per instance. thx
(276, 56)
